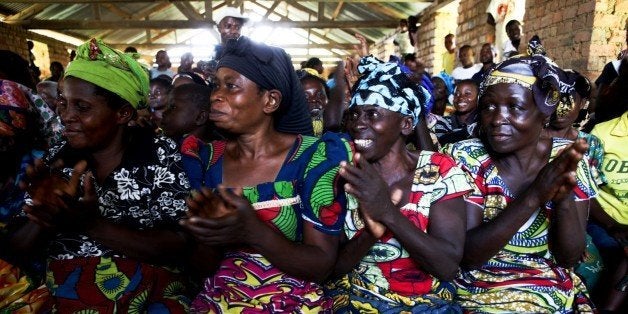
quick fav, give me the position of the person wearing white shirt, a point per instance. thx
(468, 67)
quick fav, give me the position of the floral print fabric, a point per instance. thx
(307, 189)
(387, 279)
(523, 276)
(147, 190)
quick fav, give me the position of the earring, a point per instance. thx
(546, 125)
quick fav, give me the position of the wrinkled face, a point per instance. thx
(157, 102)
(374, 130)
(162, 58)
(449, 42)
(568, 119)
(180, 116)
(467, 58)
(90, 123)
(440, 90)
(229, 28)
(315, 96)
(509, 118)
(236, 102)
(486, 54)
(514, 32)
(465, 98)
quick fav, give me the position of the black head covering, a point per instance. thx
(550, 85)
(270, 68)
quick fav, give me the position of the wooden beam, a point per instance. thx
(388, 11)
(323, 34)
(320, 15)
(181, 24)
(117, 11)
(188, 10)
(337, 10)
(27, 13)
(145, 1)
(271, 9)
(96, 11)
(209, 11)
(121, 46)
(139, 15)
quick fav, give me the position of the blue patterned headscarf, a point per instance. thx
(384, 84)
(552, 88)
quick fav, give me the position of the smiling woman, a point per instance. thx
(105, 192)
(405, 233)
(527, 214)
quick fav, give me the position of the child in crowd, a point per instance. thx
(186, 121)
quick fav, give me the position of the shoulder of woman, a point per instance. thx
(332, 145)
(471, 146)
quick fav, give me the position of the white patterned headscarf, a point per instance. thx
(383, 84)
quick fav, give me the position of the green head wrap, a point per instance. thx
(112, 70)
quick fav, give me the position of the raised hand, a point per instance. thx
(222, 218)
(59, 203)
(557, 179)
(362, 48)
(207, 204)
(370, 190)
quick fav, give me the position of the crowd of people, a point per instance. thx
(243, 185)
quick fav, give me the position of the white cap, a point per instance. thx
(229, 12)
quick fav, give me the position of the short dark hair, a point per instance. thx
(470, 82)
(512, 22)
(130, 49)
(313, 62)
(163, 80)
(56, 64)
(195, 94)
(409, 57)
(464, 47)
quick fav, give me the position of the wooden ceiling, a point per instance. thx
(318, 25)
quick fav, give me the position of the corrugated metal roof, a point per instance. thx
(78, 15)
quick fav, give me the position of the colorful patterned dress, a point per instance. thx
(146, 191)
(523, 277)
(307, 188)
(21, 288)
(387, 279)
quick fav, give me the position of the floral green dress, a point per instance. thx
(307, 189)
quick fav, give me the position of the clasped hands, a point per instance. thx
(59, 203)
(222, 217)
(371, 191)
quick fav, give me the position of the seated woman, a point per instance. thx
(405, 235)
(105, 204)
(461, 124)
(273, 226)
(561, 125)
(21, 140)
(526, 217)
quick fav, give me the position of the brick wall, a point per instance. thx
(430, 45)
(579, 34)
(14, 39)
(608, 38)
(472, 27)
